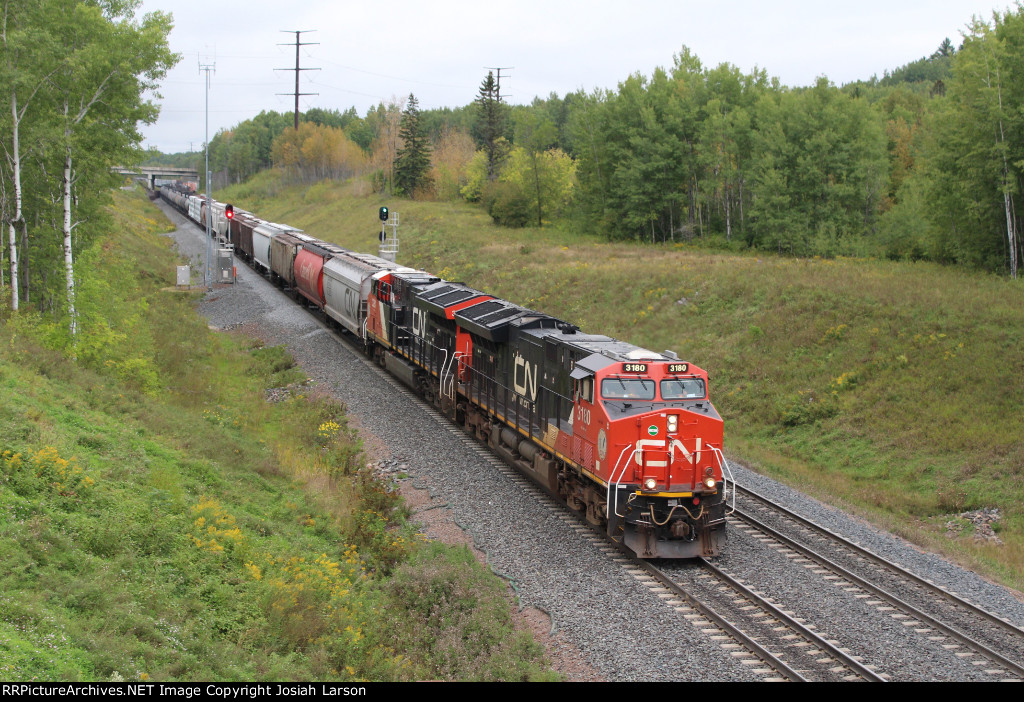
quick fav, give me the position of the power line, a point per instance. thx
(297, 69)
(390, 77)
(499, 70)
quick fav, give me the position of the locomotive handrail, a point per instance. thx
(453, 373)
(618, 481)
(448, 377)
(726, 479)
(443, 369)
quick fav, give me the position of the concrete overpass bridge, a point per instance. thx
(153, 173)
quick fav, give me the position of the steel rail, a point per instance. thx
(791, 621)
(884, 594)
(721, 622)
(875, 558)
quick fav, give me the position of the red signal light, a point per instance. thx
(229, 211)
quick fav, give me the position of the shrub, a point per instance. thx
(507, 204)
(456, 620)
(806, 408)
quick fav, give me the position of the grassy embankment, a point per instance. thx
(160, 520)
(893, 389)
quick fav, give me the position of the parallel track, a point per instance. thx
(809, 656)
(1005, 663)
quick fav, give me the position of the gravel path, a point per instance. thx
(597, 608)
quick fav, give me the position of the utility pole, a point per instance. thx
(499, 70)
(209, 67)
(297, 69)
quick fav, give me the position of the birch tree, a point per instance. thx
(110, 61)
(534, 136)
(977, 169)
(386, 144)
(28, 53)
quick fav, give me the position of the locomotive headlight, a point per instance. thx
(650, 483)
(709, 483)
(673, 423)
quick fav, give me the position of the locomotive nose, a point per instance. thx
(653, 455)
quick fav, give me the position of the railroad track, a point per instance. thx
(942, 616)
(803, 655)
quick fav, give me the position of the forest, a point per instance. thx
(924, 163)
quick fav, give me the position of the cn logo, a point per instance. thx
(659, 444)
(528, 385)
(419, 322)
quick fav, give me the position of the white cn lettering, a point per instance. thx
(529, 383)
(644, 444)
(419, 323)
(676, 443)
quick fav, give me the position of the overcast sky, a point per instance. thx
(369, 52)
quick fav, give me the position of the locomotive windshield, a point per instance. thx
(627, 389)
(682, 389)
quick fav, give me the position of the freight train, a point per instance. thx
(625, 436)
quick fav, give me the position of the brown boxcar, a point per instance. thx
(283, 249)
(243, 242)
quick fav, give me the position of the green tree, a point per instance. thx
(650, 154)
(506, 203)
(534, 136)
(725, 145)
(29, 57)
(246, 149)
(489, 128)
(75, 74)
(109, 63)
(544, 180)
(413, 159)
(821, 170)
(976, 169)
(585, 136)
(946, 49)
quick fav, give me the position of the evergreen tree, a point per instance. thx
(413, 159)
(489, 130)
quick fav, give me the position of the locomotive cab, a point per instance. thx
(658, 450)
